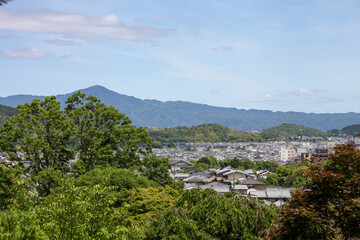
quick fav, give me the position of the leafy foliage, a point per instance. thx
(292, 130)
(208, 215)
(203, 133)
(8, 178)
(353, 130)
(87, 129)
(328, 208)
(103, 135)
(157, 170)
(288, 176)
(6, 112)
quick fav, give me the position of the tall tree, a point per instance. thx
(329, 206)
(40, 133)
(86, 130)
(104, 135)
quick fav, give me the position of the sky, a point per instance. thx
(279, 55)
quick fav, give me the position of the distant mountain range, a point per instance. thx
(178, 113)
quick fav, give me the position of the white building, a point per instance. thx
(287, 154)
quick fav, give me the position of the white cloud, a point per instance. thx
(223, 48)
(268, 96)
(75, 25)
(24, 53)
(304, 92)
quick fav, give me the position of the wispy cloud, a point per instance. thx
(24, 53)
(76, 25)
(223, 48)
(210, 21)
(303, 92)
(330, 100)
(194, 31)
(158, 19)
(62, 42)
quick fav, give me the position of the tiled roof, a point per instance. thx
(241, 187)
(197, 178)
(250, 181)
(234, 171)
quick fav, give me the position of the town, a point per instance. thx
(245, 182)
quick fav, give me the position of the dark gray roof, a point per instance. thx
(250, 181)
(197, 178)
(182, 161)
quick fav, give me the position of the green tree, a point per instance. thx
(40, 133)
(8, 178)
(266, 165)
(145, 203)
(87, 130)
(329, 206)
(103, 135)
(19, 225)
(157, 170)
(208, 215)
(124, 180)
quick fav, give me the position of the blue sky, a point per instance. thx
(274, 55)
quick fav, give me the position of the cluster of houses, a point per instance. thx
(280, 152)
(244, 183)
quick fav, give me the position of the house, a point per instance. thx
(272, 194)
(240, 189)
(220, 173)
(181, 165)
(252, 183)
(179, 176)
(233, 175)
(219, 187)
(196, 180)
(262, 174)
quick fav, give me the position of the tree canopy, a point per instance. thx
(328, 207)
(86, 130)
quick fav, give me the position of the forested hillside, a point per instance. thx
(351, 130)
(6, 112)
(292, 130)
(217, 133)
(153, 113)
(203, 133)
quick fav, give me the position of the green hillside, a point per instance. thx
(6, 113)
(351, 130)
(178, 113)
(292, 130)
(203, 133)
(217, 133)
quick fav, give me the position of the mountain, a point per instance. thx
(351, 130)
(292, 130)
(6, 113)
(178, 113)
(217, 133)
(203, 133)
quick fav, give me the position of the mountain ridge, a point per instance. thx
(155, 113)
